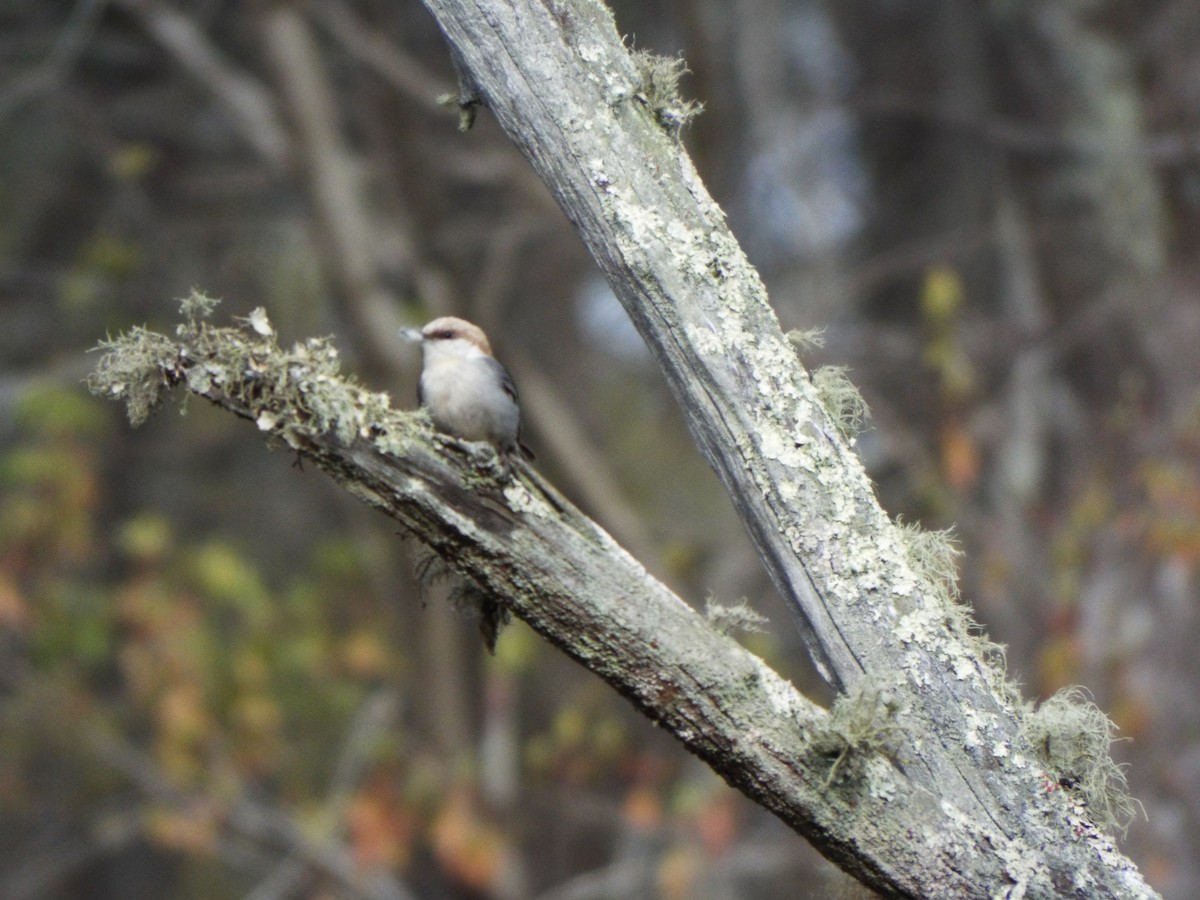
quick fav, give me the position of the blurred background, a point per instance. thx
(218, 674)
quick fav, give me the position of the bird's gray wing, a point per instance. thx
(510, 388)
(505, 379)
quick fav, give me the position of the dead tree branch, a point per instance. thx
(842, 778)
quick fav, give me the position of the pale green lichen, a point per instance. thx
(196, 307)
(733, 618)
(846, 407)
(465, 103)
(1072, 736)
(934, 554)
(131, 371)
(779, 693)
(293, 394)
(659, 89)
(868, 721)
(805, 339)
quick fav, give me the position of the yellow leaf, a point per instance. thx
(941, 295)
(257, 714)
(181, 713)
(1058, 663)
(678, 872)
(365, 655)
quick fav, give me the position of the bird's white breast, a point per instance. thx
(464, 396)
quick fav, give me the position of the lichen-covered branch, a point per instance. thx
(601, 127)
(838, 777)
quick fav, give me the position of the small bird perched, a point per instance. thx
(467, 392)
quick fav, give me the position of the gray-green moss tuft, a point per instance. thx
(294, 394)
(841, 400)
(865, 721)
(806, 339)
(1072, 736)
(934, 555)
(659, 90)
(738, 617)
(131, 370)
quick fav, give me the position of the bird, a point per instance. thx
(465, 389)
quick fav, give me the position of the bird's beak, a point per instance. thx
(413, 334)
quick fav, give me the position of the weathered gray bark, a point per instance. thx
(562, 85)
(934, 793)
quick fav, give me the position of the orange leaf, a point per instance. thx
(14, 613)
(380, 831)
(677, 873)
(643, 808)
(466, 845)
(960, 456)
(192, 830)
(716, 824)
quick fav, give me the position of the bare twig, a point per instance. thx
(384, 58)
(57, 65)
(249, 103)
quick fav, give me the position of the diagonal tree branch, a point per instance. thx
(601, 128)
(837, 777)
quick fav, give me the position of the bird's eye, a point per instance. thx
(443, 335)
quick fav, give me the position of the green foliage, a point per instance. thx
(50, 481)
(183, 650)
(943, 300)
(76, 628)
(230, 581)
(105, 261)
(50, 413)
(144, 656)
(516, 651)
(144, 539)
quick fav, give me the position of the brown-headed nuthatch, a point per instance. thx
(467, 392)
